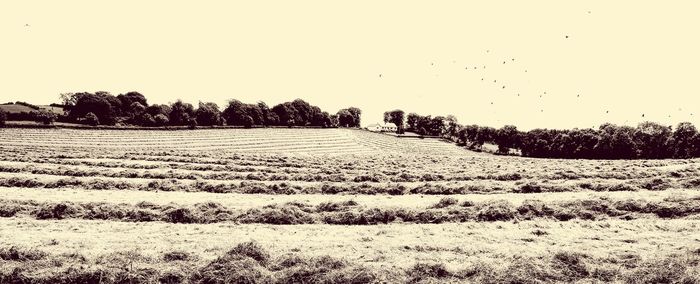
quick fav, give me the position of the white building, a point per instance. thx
(385, 127)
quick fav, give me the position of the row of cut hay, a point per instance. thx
(249, 262)
(448, 210)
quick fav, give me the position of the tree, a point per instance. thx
(145, 119)
(269, 117)
(652, 140)
(91, 119)
(356, 115)
(452, 128)
(684, 141)
(161, 120)
(412, 121)
(181, 113)
(159, 109)
(396, 117)
(345, 118)
(286, 113)
(98, 105)
(3, 118)
(507, 137)
(208, 114)
(127, 100)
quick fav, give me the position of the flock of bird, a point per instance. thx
(503, 86)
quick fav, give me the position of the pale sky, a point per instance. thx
(626, 58)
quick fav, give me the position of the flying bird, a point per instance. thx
(380, 75)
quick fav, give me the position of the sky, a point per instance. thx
(556, 64)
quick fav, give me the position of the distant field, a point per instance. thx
(15, 108)
(334, 206)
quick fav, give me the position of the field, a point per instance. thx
(333, 206)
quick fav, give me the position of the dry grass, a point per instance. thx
(503, 219)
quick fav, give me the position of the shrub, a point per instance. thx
(91, 119)
(161, 120)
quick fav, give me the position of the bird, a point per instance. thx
(494, 81)
(512, 59)
(525, 70)
(567, 36)
(380, 75)
(491, 102)
(504, 62)
(432, 63)
(607, 111)
(642, 115)
(518, 95)
(578, 96)
(504, 86)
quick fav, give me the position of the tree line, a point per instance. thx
(649, 140)
(132, 108)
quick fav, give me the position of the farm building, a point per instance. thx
(386, 127)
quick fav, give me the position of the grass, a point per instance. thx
(333, 206)
(352, 213)
(249, 262)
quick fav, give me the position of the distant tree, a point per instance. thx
(181, 113)
(684, 141)
(286, 113)
(161, 120)
(247, 121)
(3, 118)
(452, 128)
(269, 117)
(345, 118)
(254, 111)
(484, 134)
(100, 105)
(412, 121)
(208, 114)
(507, 137)
(652, 140)
(396, 117)
(235, 113)
(146, 119)
(154, 110)
(127, 100)
(623, 143)
(91, 119)
(334, 120)
(356, 114)
(135, 109)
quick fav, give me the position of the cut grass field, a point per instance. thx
(212, 206)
